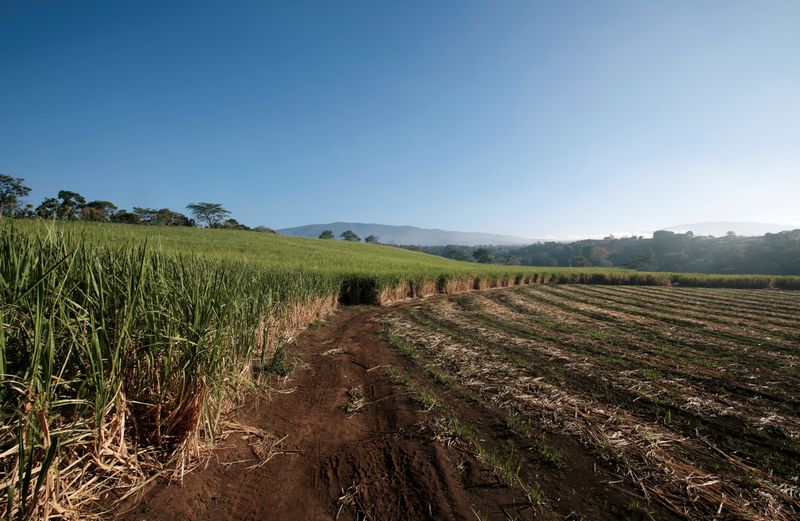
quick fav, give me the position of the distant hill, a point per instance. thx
(720, 228)
(772, 254)
(407, 235)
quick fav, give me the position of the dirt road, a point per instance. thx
(346, 443)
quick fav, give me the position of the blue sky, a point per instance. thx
(530, 118)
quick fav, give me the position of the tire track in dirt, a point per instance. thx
(375, 463)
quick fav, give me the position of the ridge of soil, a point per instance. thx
(351, 445)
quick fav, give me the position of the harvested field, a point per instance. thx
(690, 395)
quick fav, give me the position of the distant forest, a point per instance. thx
(72, 206)
(772, 254)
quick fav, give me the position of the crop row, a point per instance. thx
(701, 413)
(113, 358)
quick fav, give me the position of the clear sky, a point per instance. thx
(530, 118)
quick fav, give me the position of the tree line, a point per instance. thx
(72, 206)
(350, 236)
(772, 254)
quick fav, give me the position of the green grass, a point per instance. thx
(550, 454)
(449, 429)
(505, 462)
(442, 378)
(407, 349)
(426, 398)
(362, 271)
(397, 377)
(517, 423)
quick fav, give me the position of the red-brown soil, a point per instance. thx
(379, 461)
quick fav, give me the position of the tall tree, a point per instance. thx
(451, 251)
(98, 211)
(12, 190)
(24, 211)
(123, 216)
(482, 255)
(166, 217)
(70, 206)
(48, 209)
(350, 235)
(233, 224)
(212, 214)
(578, 261)
(145, 215)
(162, 217)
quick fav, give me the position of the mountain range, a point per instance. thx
(408, 235)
